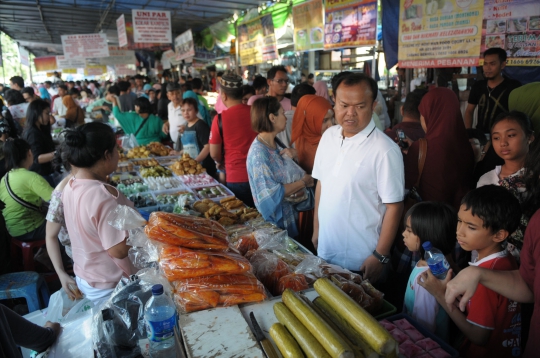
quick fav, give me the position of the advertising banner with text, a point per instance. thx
(308, 19)
(440, 33)
(350, 23)
(250, 42)
(513, 25)
(117, 56)
(85, 46)
(63, 62)
(121, 27)
(151, 26)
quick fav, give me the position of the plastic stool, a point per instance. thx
(27, 249)
(29, 285)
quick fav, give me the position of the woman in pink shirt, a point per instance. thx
(99, 250)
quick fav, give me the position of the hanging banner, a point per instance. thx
(121, 27)
(269, 50)
(439, 33)
(95, 70)
(118, 56)
(1, 56)
(44, 64)
(513, 25)
(67, 63)
(203, 54)
(183, 45)
(125, 70)
(85, 46)
(308, 26)
(151, 26)
(251, 42)
(350, 23)
(24, 56)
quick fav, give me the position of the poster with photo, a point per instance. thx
(350, 23)
(269, 51)
(308, 19)
(514, 26)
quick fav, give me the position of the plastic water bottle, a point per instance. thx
(436, 261)
(160, 319)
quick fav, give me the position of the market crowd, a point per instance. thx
(333, 170)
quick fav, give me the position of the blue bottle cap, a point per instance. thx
(427, 245)
(157, 290)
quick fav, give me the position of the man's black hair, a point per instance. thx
(274, 70)
(18, 80)
(28, 90)
(124, 86)
(354, 79)
(197, 83)
(114, 90)
(260, 82)
(496, 51)
(410, 107)
(74, 91)
(496, 206)
(300, 91)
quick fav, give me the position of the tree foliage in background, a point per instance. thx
(12, 64)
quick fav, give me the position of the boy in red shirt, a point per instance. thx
(492, 323)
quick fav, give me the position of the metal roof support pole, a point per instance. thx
(104, 16)
(43, 20)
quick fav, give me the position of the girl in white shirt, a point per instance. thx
(511, 136)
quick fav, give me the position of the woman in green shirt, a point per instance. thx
(145, 126)
(23, 223)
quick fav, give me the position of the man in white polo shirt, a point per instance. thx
(360, 189)
(175, 125)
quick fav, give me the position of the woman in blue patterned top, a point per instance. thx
(268, 170)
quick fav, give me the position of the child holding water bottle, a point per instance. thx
(491, 323)
(432, 222)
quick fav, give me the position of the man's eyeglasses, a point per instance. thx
(282, 81)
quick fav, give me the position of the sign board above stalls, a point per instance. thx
(350, 23)
(121, 27)
(24, 56)
(439, 33)
(168, 59)
(514, 26)
(151, 26)
(269, 50)
(308, 19)
(184, 46)
(85, 46)
(250, 42)
(125, 70)
(44, 64)
(95, 70)
(118, 56)
(64, 62)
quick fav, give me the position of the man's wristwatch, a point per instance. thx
(382, 259)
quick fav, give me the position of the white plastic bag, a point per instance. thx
(62, 310)
(75, 339)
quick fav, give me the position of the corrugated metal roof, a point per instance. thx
(38, 23)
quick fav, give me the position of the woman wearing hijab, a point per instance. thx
(312, 117)
(74, 114)
(203, 112)
(321, 89)
(449, 162)
(44, 94)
